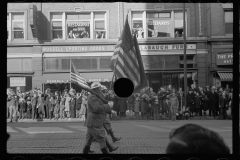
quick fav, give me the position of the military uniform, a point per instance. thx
(95, 119)
(13, 107)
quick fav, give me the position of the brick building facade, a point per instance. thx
(44, 38)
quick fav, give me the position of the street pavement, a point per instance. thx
(138, 136)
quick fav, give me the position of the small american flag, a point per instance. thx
(125, 58)
(77, 78)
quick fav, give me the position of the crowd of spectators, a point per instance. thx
(166, 103)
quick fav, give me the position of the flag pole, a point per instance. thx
(185, 63)
(70, 73)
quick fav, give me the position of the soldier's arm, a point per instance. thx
(96, 106)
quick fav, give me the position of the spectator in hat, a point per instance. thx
(78, 105)
(223, 104)
(174, 104)
(194, 139)
(52, 106)
(62, 107)
(40, 105)
(67, 105)
(205, 102)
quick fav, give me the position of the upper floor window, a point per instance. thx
(157, 24)
(89, 25)
(15, 26)
(228, 22)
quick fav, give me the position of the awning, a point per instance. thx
(225, 76)
(161, 71)
(65, 77)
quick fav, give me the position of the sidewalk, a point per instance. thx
(118, 119)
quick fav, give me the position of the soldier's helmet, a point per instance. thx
(95, 85)
(103, 87)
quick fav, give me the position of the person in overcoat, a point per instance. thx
(62, 107)
(161, 99)
(52, 106)
(23, 107)
(34, 105)
(213, 96)
(78, 105)
(137, 106)
(47, 103)
(73, 104)
(40, 105)
(29, 108)
(67, 104)
(142, 103)
(130, 104)
(122, 104)
(205, 103)
(223, 105)
(57, 105)
(148, 105)
(190, 101)
(96, 115)
(174, 105)
(198, 104)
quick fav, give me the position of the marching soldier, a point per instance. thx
(95, 119)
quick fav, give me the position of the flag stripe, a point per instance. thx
(78, 77)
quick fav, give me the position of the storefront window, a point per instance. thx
(228, 22)
(85, 63)
(57, 23)
(137, 24)
(65, 64)
(52, 64)
(105, 63)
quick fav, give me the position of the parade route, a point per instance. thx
(138, 136)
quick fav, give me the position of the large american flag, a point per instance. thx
(125, 58)
(77, 78)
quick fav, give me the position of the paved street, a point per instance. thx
(139, 136)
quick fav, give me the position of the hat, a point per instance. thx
(103, 87)
(95, 85)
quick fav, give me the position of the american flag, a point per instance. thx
(77, 78)
(125, 58)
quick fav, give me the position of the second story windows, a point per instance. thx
(89, 25)
(162, 24)
(15, 26)
(228, 22)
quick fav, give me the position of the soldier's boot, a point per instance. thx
(110, 147)
(105, 151)
(86, 149)
(11, 117)
(114, 139)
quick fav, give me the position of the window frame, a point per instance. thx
(9, 26)
(172, 19)
(51, 26)
(13, 21)
(227, 10)
(94, 24)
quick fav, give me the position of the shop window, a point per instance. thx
(65, 64)
(51, 64)
(178, 24)
(57, 25)
(228, 22)
(105, 63)
(85, 63)
(190, 61)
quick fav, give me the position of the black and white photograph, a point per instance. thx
(119, 78)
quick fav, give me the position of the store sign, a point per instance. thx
(99, 80)
(17, 81)
(55, 81)
(111, 48)
(224, 59)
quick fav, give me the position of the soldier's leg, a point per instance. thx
(88, 141)
(101, 139)
(107, 126)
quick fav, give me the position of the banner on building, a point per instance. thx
(17, 81)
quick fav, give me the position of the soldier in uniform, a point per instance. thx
(94, 122)
(106, 123)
